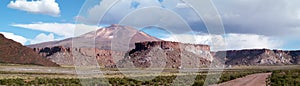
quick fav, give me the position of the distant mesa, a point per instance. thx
(259, 57)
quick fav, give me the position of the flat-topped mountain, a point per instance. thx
(13, 52)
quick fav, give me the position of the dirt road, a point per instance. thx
(250, 80)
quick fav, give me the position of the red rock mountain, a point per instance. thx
(142, 48)
(101, 38)
(99, 41)
(173, 53)
(15, 53)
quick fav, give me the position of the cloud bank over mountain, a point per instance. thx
(232, 41)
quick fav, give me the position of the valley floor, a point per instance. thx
(250, 80)
(68, 75)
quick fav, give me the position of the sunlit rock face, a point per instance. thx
(169, 54)
(107, 47)
(260, 57)
(174, 54)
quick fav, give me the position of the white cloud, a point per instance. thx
(239, 16)
(62, 29)
(233, 41)
(14, 37)
(38, 39)
(264, 17)
(119, 10)
(188, 38)
(123, 9)
(48, 7)
(250, 41)
(42, 38)
(182, 5)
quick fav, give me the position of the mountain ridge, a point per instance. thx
(104, 53)
(102, 36)
(260, 57)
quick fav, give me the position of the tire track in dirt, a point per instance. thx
(250, 80)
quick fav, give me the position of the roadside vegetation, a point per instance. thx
(161, 80)
(285, 78)
(281, 76)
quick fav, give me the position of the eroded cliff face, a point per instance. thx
(57, 54)
(66, 56)
(295, 56)
(260, 57)
(143, 55)
(167, 54)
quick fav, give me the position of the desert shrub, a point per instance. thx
(285, 78)
(158, 81)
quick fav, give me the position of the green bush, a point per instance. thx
(285, 78)
(158, 81)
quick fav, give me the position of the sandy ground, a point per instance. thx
(250, 80)
(31, 71)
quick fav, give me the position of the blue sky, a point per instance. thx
(248, 24)
(14, 16)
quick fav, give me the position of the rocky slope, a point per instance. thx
(64, 56)
(260, 57)
(167, 54)
(295, 56)
(15, 53)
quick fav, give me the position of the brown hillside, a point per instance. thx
(15, 53)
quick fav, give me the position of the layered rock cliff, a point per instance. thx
(295, 56)
(65, 57)
(146, 54)
(169, 54)
(62, 52)
(57, 54)
(142, 55)
(260, 57)
(144, 49)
